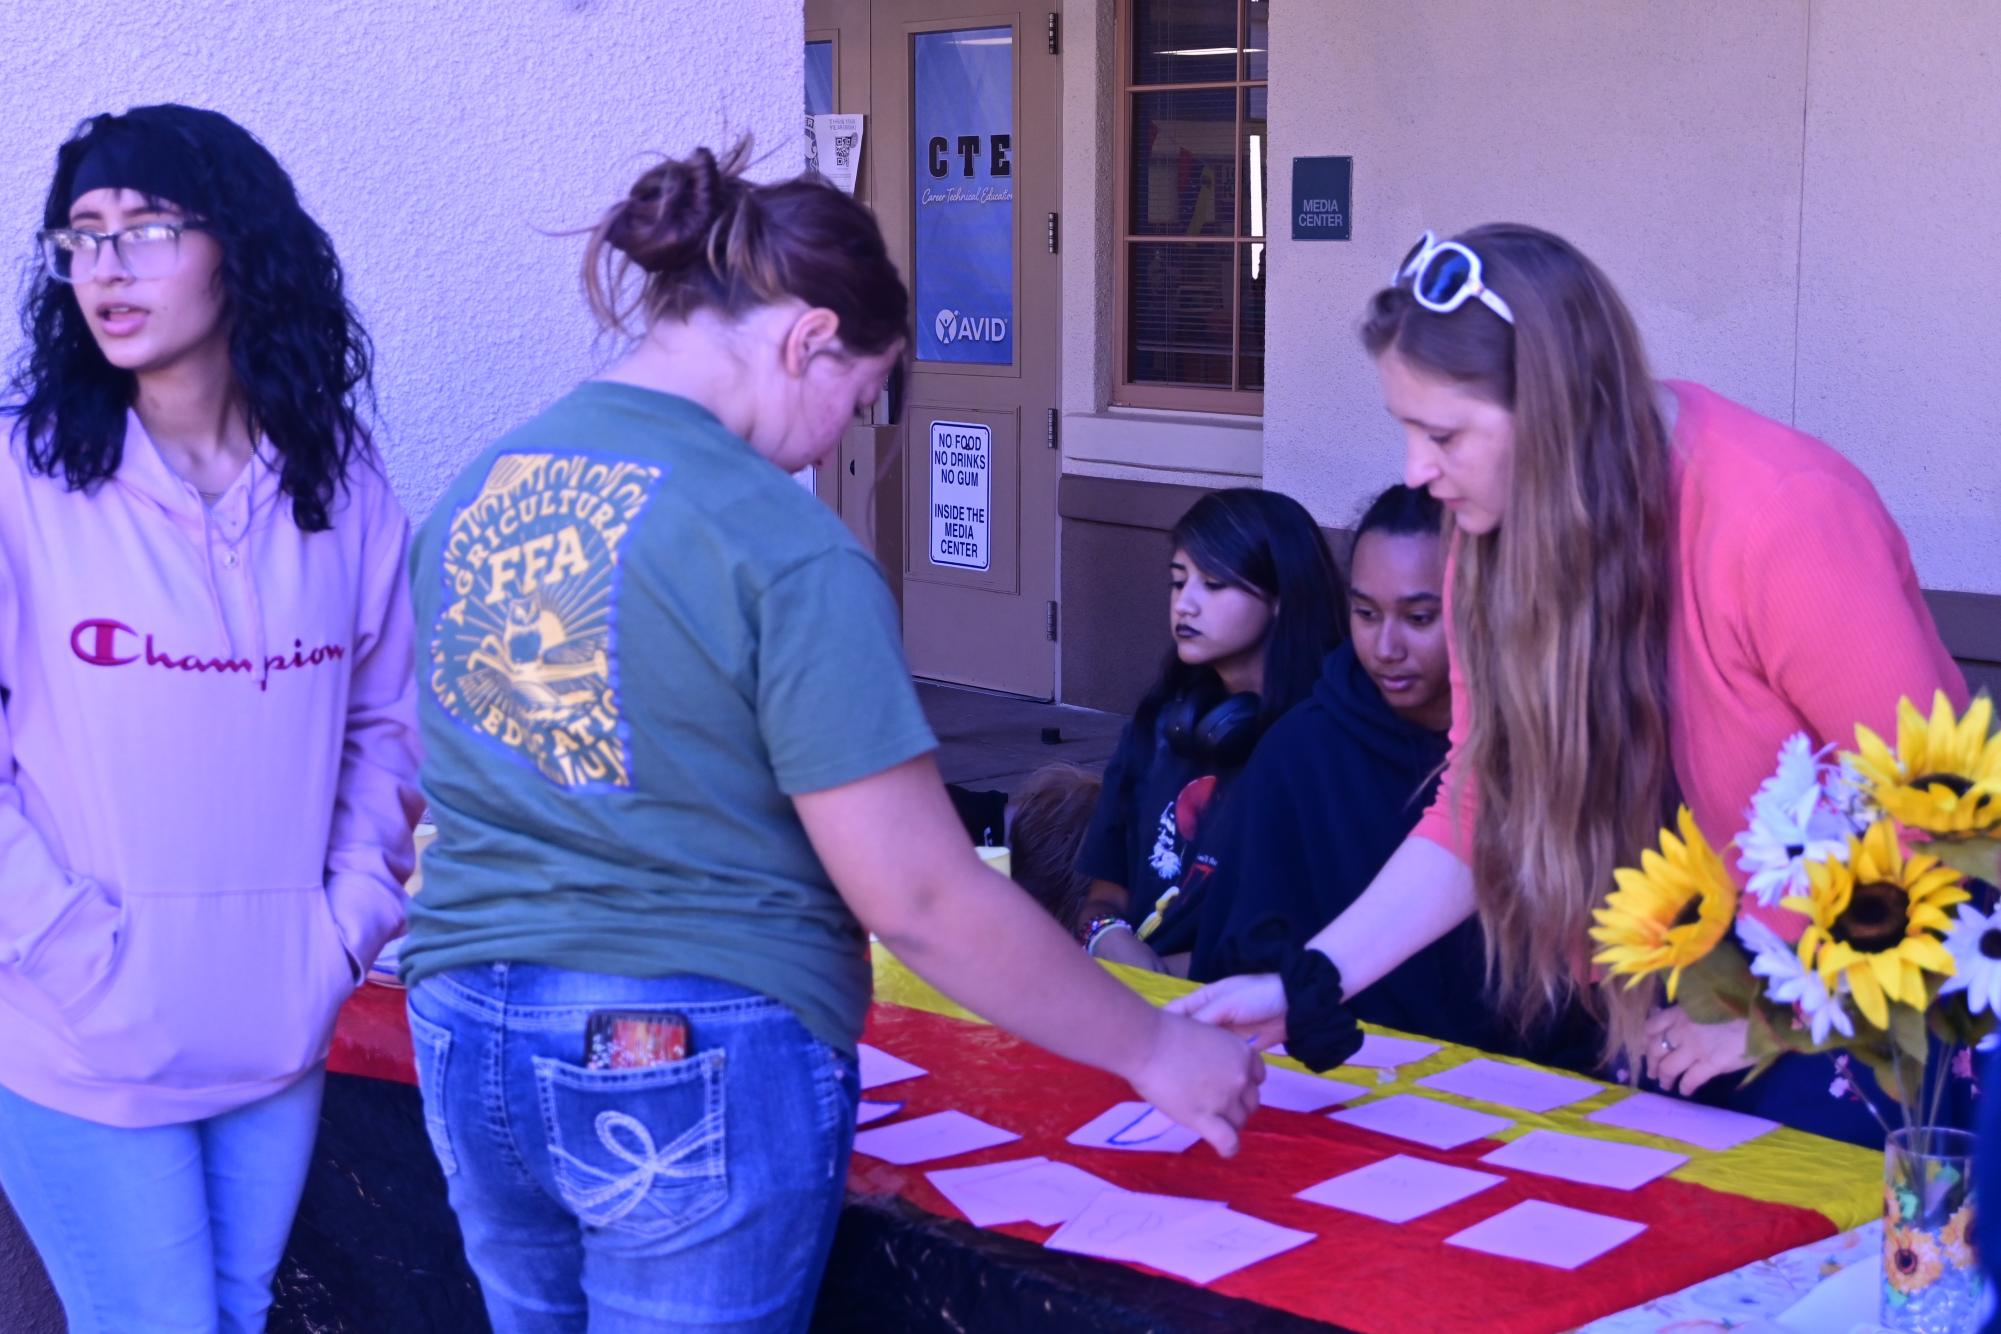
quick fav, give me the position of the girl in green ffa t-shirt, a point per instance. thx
(677, 767)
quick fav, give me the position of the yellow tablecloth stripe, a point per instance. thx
(1787, 1166)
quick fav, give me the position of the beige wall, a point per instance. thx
(1771, 184)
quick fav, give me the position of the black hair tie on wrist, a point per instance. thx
(1320, 1030)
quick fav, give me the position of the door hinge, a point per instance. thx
(1055, 46)
(1052, 623)
(1054, 433)
(1052, 233)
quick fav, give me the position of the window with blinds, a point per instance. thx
(1193, 160)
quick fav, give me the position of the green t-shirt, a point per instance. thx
(638, 640)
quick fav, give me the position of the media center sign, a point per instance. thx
(1323, 202)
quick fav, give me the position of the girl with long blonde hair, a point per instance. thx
(1652, 588)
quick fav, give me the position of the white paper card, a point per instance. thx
(1029, 1190)
(1386, 1053)
(1712, 1128)
(1517, 1086)
(1595, 1162)
(1548, 1234)
(878, 1067)
(1137, 1128)
(1440, 1125)
(1399, 1189)
(1115, 1225)
(1205, 1246)
(876, 1111)
(1291, 1091)
(939, 1135)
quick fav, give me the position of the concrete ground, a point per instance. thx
(994, 742)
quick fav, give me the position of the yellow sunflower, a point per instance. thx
(1668, 914)
(1877, 919)
(1910, 1259)
(1945, 775)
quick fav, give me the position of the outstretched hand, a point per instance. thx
(1203, 1078)
(1252, 1006)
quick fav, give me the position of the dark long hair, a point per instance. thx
(1403, 511)
(1268, 545)
(300, 357)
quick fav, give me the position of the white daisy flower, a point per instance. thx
(1790, 982)
(1794, 821)
(1975, 944)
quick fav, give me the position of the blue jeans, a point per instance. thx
(169, 1229)
(698, 1195)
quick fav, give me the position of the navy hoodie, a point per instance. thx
(1331, 791)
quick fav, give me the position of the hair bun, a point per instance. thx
(664, 224)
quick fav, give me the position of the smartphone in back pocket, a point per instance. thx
(634, 1039)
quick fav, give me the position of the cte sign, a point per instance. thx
(961, 495)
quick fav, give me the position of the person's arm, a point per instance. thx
(1102, 854)
(898, 856)
(370, 853)
(1422, 892)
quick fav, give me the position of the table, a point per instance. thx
(374, 1230)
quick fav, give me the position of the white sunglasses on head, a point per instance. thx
(1445, 275)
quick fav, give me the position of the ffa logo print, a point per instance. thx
(522, 651)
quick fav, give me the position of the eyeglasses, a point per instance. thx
(150, 250)
(1445, 275)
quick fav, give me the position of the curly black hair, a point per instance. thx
(301, 359)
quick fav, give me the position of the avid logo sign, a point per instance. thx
(953, 327)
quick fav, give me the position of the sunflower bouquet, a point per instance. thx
(1885, 860)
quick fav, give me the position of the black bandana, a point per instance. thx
(128, 155)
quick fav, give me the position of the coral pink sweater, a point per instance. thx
(1796, 610)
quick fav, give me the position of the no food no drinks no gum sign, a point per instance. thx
(1322, 198)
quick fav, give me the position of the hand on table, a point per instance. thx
(1683, 1055)
(1126, 948)
(1202, 1077)
(1251, 1006)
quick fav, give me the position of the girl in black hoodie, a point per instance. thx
(1255, 603)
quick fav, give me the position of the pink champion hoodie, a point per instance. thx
(207, 781)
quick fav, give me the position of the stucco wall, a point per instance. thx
(1773, 186)
(437, 143)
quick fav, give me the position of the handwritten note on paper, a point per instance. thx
(1517, 1086)
(1387, 1053)
(1291, 1091)
(939, 1135)
(1136, 1127)
(1713, 1128)
(875, 1111)
(1595, 1162)
(1204, 1247)
(1116, 1224)
(1028, 1190)
(1440, 1125)
(878, 1067)
(1399, 1189)
(1548, 1234)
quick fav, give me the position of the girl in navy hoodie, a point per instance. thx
(1338, 783)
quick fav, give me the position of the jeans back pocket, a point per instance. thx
(638, 1151)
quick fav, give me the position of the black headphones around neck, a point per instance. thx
(1207, 725)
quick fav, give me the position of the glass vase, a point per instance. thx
(1931, 1282)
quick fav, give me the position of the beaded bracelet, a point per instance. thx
(1099, 928)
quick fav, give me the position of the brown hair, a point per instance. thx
(707, 239)
(1561, 613)
(1051, 814)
